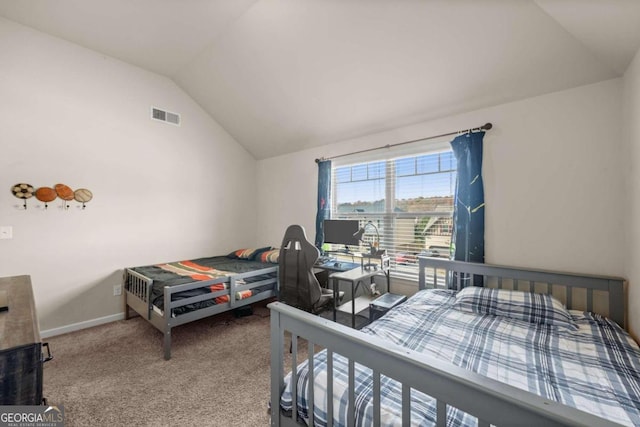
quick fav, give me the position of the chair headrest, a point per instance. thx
(295, 238)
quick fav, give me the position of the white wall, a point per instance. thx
(69, 115)
(554, 186)
(632, 208)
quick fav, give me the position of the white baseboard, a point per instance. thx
(81, 325)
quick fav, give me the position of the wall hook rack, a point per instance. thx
(47, 194)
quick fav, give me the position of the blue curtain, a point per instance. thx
(324, 205)
(468, 213)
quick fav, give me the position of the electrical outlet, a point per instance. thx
(6, 232)
(117, 290)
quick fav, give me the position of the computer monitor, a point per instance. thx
(341, 231)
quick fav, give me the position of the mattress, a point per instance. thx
(594, 368)
(201, 269)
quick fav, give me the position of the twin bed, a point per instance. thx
(465, 356)
(172, 294)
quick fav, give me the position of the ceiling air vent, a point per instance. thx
(165, 116)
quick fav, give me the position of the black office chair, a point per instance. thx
(299, 286)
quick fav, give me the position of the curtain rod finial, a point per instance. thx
(487, 126)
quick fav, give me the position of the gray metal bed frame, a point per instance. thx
(138, 291)
(492, 402)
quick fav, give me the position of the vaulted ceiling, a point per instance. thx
(285, 75)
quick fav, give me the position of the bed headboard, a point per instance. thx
(599, 294)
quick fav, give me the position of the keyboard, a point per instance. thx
(336, 265)
(347, 265)
(324, 260)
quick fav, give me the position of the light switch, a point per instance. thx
(6, 232)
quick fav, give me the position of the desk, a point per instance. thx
(323, 270)
(354, 276)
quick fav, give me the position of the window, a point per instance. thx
(409, 200)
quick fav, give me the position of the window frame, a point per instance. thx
(388, 218)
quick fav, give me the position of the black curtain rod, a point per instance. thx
(486, 126)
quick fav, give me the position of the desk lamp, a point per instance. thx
(373, 251)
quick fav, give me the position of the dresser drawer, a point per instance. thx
(20, 345)
(21, 375)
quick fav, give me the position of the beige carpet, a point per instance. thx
(115, 374)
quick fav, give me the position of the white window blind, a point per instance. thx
(409, 200)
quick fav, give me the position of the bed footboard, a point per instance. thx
(491, 401)
(137, 289)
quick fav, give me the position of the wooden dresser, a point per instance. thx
(20, 346)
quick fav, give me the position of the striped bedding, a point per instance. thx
(201, 269)
(595, 368)
(202, 273)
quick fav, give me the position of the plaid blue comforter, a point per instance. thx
(595, 369)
